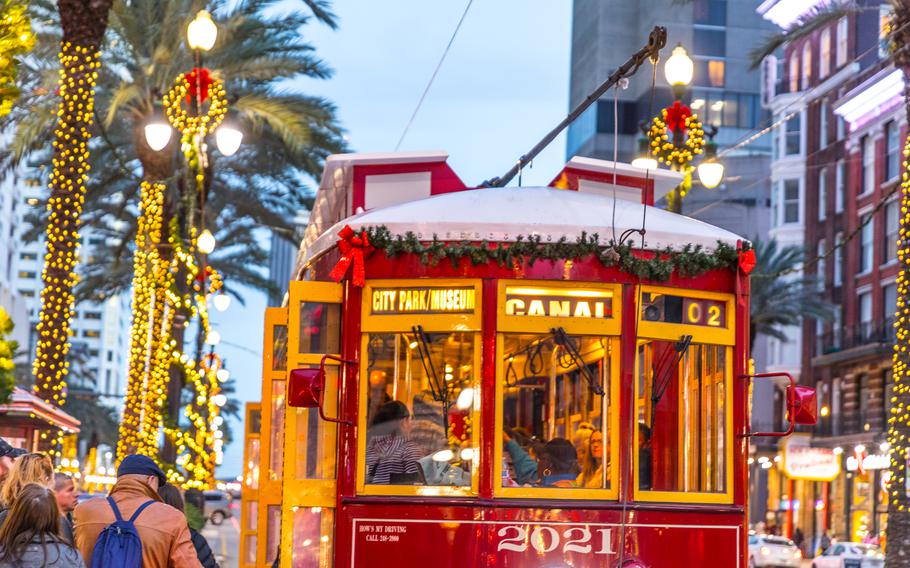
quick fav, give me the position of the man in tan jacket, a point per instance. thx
(163, 530)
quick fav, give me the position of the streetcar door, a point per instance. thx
(310, 447)
(271, 463)
(249, 487)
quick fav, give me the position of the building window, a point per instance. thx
(892, 230)
(823, 124)
(865, 313)
(884, 30)
(867, 145)
(27, 274)
(824, 53)
(110, 355)
(889, 303)
(28, 256)
(710, 12)
(864, 395)
(107, 381)
(865, 243)
(820, 256)
(628, 121)
(892, 150)
(92, 315)
(91, 333)
(841, 54)
(794, 73)
(840, 188)
(839, 259)
(92, 352)
(807, 65)
(822, 194)
(27, 293)
(790, 201)
(791, 138)
(710, 42)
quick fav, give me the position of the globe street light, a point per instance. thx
(201, 32)
(205, 242)
(157, 135)
(679, 68)
(710, 174)
(228, 139)
(221, 301)
(212, 338)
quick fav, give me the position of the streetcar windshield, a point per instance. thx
(421, 396)
(682, 412)
(557, 410)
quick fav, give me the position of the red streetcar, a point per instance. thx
(522, 376)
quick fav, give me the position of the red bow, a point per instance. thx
(354, 249)
(200, 77)
(677, 115)
(747, 260)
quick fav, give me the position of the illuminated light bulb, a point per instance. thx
(223, 375)
(824, 411)
(202, 31)
(465, 399)
(205, 242)
(644, 163)
(157, 135)
(218, 421)
(219, 400)
(838, 451)
(221, 302)
(211, 338)
(710, 174)
(228, 139)
(468, 454)
(679, 67)
(443, 456)
(859, 448)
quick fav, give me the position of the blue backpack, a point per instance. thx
(119, 544)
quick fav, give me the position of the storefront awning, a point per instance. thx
(26, 409)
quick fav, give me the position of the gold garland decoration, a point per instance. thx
(203, 124)
(16, 38)
(662, 147)
(75, 115)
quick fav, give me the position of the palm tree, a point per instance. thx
(287, 135)
(778, 300)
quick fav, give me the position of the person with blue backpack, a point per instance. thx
(132, 527)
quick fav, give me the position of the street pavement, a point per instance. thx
(225, 541)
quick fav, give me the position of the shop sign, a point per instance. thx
(872, 461)
(559, 303)
(423, 300)
(812, 464)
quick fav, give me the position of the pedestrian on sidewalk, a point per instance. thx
(162, 529)
(67, 495)
(8, 455)
(30, 536)
(30, 468)
(171, 496)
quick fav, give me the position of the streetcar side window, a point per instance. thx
(421, 399)
(557, 411)
(682, 414)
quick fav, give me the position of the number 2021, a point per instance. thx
(547, 539)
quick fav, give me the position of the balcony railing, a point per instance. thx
(865, 333)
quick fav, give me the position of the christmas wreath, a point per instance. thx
(188, 86)
(676, 136)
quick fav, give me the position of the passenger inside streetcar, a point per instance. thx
(556, 387)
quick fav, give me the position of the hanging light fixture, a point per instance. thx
(223, 374)
(219, 400)
(221, 302)
(202, 31)
(228, 139)
(157, 131)
(212, 338)
(205, 242)
(644, 160)
(710, 171)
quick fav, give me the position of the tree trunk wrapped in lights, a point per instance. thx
(83, 23)
(150, 347)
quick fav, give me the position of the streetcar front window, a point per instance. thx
(682, 414)
(421, 400)
(557, 411)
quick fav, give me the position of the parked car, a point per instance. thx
(770, 550)
(217, 506)
(850, 555)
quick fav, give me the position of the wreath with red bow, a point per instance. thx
(676, 136)
(187, 87)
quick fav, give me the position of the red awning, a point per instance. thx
(27, 409)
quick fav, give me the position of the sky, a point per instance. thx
(504, 84)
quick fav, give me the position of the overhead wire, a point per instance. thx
(433, 76)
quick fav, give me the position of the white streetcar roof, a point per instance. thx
(503, 214)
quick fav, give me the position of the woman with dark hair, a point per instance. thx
(171, 496)
(391, 456)
(30, 537)
(558, 464)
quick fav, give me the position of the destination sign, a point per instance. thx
(424, 300)
(559, 303)
(678, 309)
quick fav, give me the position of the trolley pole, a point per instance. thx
(657, 40)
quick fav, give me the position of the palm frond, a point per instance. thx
(810, 22)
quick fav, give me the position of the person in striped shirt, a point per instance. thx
(391, 456)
